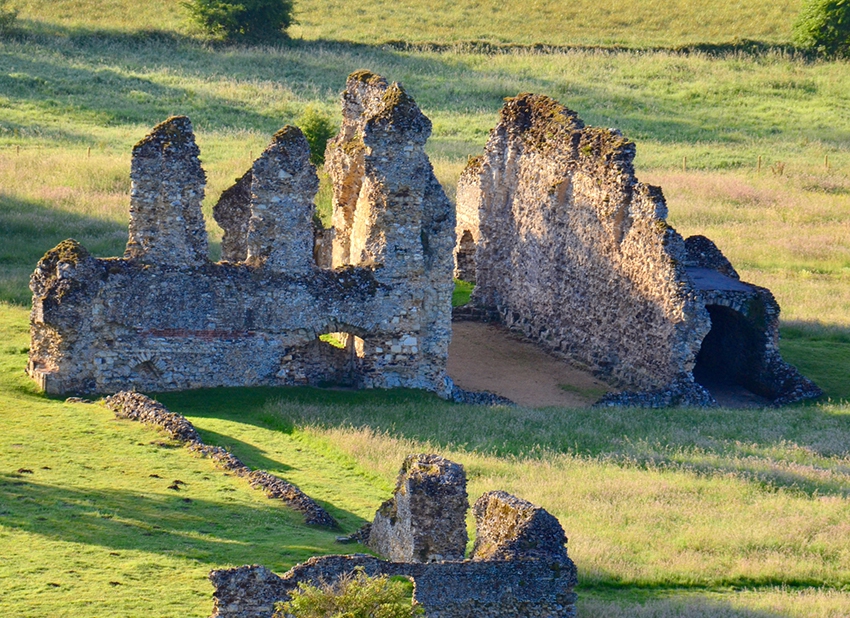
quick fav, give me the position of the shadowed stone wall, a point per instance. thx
(574, 252)
(165, 318)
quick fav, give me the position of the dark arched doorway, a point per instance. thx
(730, 360)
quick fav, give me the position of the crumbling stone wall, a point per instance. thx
(425, 520)
(519, 568)
(574, 252)
(165, 318)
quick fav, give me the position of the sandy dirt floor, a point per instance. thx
(486, 357)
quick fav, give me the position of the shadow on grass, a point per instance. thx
(214, 532)
(114, 78)
(821, 352)
(802, 448)
(30, 228)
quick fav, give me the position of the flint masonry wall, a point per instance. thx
(165, 318)
(574, 252)
(519, 566)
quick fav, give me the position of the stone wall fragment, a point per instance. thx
(284, 182)
(232, 213)
(425, 520)
(166, 222)
(575, 253)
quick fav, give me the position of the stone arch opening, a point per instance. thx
(731, 353)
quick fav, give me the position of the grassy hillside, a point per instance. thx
(690, 513)
(640, 23)
(672, 513)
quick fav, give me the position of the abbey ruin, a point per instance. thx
(164, 317)
(564, 244)
(518, 565)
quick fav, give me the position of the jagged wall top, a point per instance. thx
(166, 222)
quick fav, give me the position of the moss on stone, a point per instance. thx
(288, 135)
(367, 77)
(68, 251)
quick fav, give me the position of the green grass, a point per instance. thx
(703, 510)
(669, 513)
(583, 22)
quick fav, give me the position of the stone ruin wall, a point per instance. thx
(164, 317)
(518, 567)
(569, 248)
(574, 251)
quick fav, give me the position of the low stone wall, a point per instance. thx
(138, 407)
(519, 567)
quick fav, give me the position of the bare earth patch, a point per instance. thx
(487, 357)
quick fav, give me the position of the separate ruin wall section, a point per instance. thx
(520, 567)
(165, 318)
(576, 253)
(425, 520)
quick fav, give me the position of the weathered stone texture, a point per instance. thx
(425, 520)
(166, 224)
(509, 527)
(232, 213)
(576, 254)
(390, 212)
(524, 571)
(284, 182)
(165, 318)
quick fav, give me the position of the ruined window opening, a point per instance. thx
(731, 352)
(343, 355)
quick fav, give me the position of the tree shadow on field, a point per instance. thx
(802, 448)
(30, 228)
(249, 454)
(118, 78)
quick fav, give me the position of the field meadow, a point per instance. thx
(693, 513)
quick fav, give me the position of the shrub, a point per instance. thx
(824, 27)
(318, 128)
(242, 19)
(355, 596)
(8, 16)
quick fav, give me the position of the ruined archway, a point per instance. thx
(731, 354)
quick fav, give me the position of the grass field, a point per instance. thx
(673, 513)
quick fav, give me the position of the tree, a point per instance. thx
(242, 19)
(824, 27)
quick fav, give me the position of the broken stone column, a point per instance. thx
(280, 230)
(166, 222)
(424, 521)
(232, 213)
(345, 156)
(510, 528)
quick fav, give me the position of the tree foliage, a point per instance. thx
(318, 128)
(824, 27)
(356, 596)
(242, 19)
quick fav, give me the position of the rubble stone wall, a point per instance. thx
(425, 520)
(575, 253)
(165, 318)
(520, 567)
